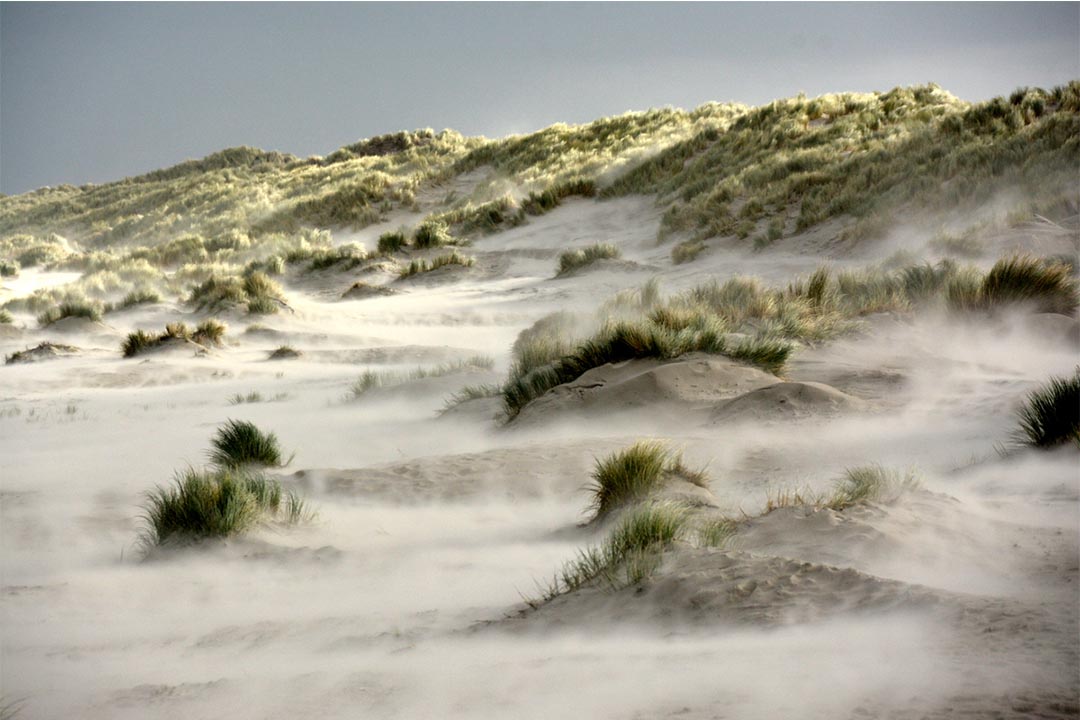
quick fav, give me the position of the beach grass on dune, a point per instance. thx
(217, 503)
(1050, 415)
(634, 546)
(240, 443)
(632, 473)
(572, 260)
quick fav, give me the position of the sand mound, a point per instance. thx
(787, 400)
(44, 351)
(77, 325)
(694, 382)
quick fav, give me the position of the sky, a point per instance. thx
(93, 92)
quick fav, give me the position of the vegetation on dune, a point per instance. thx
(865, 156)
(5, 317)
(1050, 415)
(217, 503)
(633, 473)
(285, 352)
(70, 309)
(256, 290)
(239, 443)
(686, 251)
(208, 333)
(421, 266)
(391, 242)
(572, 260)
(372, 379)
(863, 484)
(634, 546)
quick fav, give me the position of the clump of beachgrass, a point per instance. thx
(871, 483)
(217, 503)
(285, 352)
(208, 333)
(391, 242)
(1050, 415)
(70, 309)
(631, 474)
(572, 260)
(687, 251)
(418, 267)
(240, 443)
(431, 234)
(6, 317)
(1021, 280)
(634, 546)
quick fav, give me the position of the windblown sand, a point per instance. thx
(406, 598)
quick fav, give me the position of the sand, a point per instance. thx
(407, 596)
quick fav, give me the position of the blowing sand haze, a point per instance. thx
(736, 412)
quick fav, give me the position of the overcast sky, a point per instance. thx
(91, 92)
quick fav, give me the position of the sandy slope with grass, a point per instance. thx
(417, 590)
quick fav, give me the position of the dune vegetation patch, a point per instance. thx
(391, 242)
(208, 333)
(1050, 415)
(629, 554)
(217, 503)
(284, 352)
(862, 484)
(1021, 280)
(260, 294)
(6, 318)
(573, 260)
(371, 379)
(41, 351)
(421, 266)
(631, 474)
(70, 309)
(256, 397)
(240, 443)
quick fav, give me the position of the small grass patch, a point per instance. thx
(391, 242)
(285, 352)
(6, 317)
(239, 443)
(630, 474)
(1050, 415)
(572, 260)
(372, 379)
(418, 267)
(432, 234)
(687, 251)
(634, 546)
(472, 392)
(70, 309)
(208, 333)
(871, 483)
(217, 503)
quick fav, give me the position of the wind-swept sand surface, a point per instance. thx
(414, 593)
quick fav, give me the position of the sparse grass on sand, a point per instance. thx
(391, 242)
(634, 546)
(1021, 280)
(418, 267)
(432, 234)
(631, 474)
(208, 333)
(5, 317)
(472, 392)
(572, 260)
(256, 290)
(372, 379)
(217, 503)
(239, 443)
(1050, 416)
(70, 309)
(865, 483)
(285, 352)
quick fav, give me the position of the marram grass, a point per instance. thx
(239, 443)
(217, 503)
(1050, 416)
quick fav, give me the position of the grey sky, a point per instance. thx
(92, 92)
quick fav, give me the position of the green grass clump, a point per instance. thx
(70, 309)
(217, 503)
(716, 533)
(209, 332)
(1050, 415)
(471, 392)
(139, 297)
(285, 352)
(256, 290)
(432, 234)
(342, 258)
(391, 242)
(239, 443)
(572, 260)
(419, 267)
(871, 483)
(5, 317)
(634, 546)
(1027, 280)
(631, 474)
(9, 268)
(769, 354)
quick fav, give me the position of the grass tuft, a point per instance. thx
(630, 474)
(1050, 416)
(239, 443)
(572, 260)
(217, 503)
(70, 308)
(418, 267)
